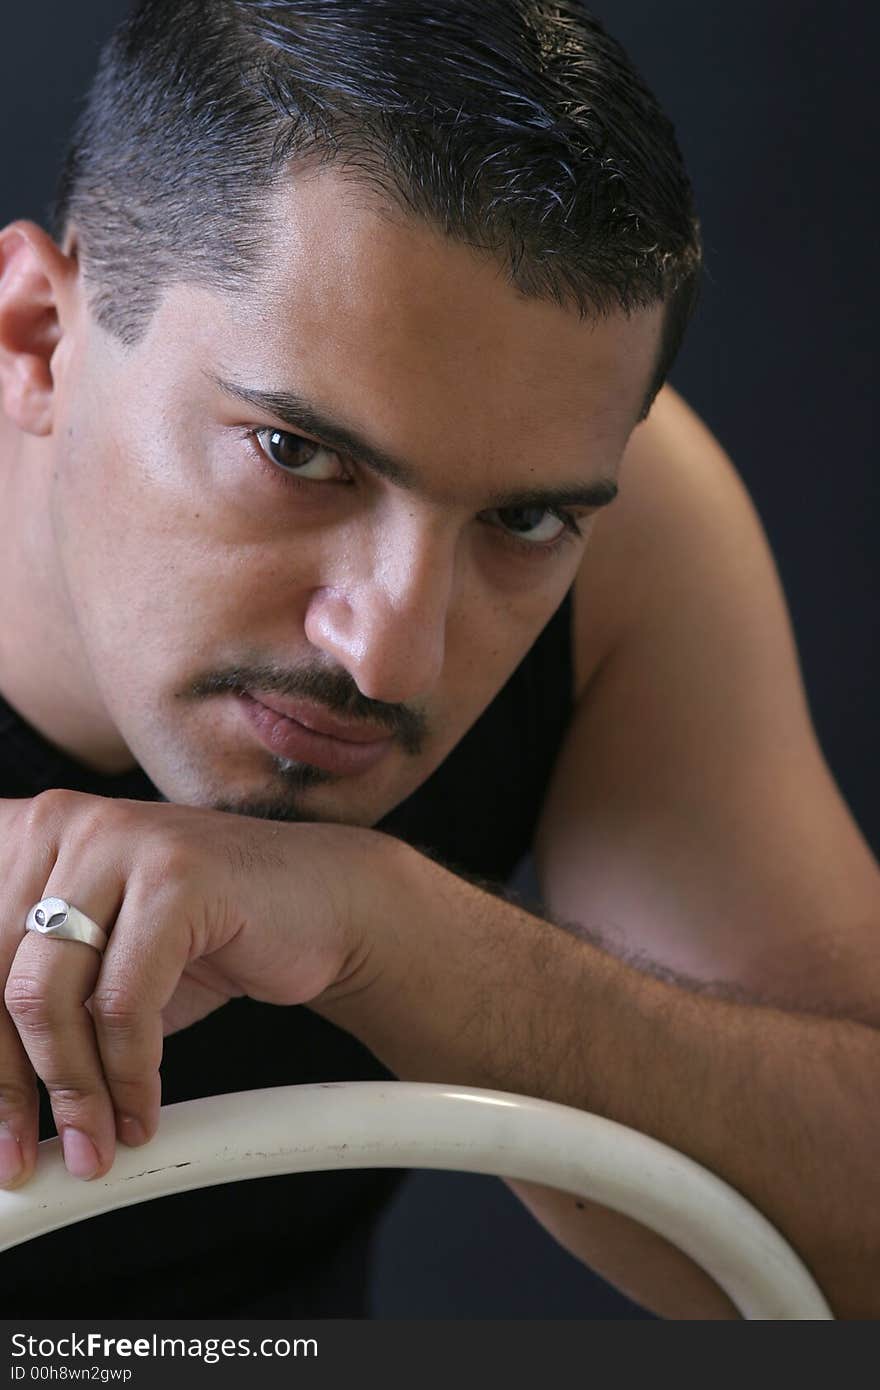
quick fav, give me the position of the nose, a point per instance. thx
(385, 619)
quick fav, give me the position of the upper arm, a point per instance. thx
(691, 819)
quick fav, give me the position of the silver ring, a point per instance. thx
(54, 917)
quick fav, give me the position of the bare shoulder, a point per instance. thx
(680, 499)
(691, 806)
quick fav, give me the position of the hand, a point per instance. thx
(200, 906)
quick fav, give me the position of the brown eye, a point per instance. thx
(301, 457)
(536, 524)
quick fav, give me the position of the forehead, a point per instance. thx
(421, 343)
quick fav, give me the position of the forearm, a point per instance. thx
(460, 986)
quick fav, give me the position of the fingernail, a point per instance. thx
(11, 1162)
(80, 1154)
(131, 1131)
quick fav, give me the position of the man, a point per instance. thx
(314, 406)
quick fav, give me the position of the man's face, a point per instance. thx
(205, 545)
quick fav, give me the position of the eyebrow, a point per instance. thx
(301, 416)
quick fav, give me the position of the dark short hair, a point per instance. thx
(517, 126)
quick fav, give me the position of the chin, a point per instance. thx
(310, 795)
(276, 789)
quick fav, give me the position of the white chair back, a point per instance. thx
(372, 1124)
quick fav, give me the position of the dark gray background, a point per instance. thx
(776, 111)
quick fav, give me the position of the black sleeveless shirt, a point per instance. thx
(296, 1245)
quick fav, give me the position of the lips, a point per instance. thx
(313, 736)
(320, 720)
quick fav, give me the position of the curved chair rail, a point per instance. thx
(401, 1124)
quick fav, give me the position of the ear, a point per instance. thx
(37, 293)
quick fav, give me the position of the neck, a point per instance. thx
(44, 672)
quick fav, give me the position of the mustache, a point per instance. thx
(335, 689)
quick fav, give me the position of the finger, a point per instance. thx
(147, 953)
(46, 992)
(19, 1108)
(19, 1102)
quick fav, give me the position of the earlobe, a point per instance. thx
(34, 275)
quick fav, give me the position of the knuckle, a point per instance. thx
(94, 816)
(15, 1096)
(25, 1000)
(80, 815)
(69, 1096)
(116, 1009)
(168, 864)
(53, 804)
